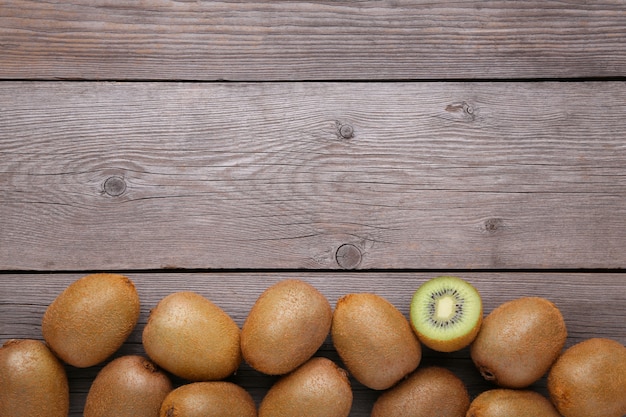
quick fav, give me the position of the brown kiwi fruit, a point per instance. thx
(446, 313)
(33, 381)
(589, 379)
(91, 319)
(189, 336)
(427, 392)
(374, 340)
(129, 386)
(503, 402)
(519, 341)
(285, 327)
(319, 388)
(209, 399)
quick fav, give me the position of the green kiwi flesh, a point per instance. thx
(446, 313)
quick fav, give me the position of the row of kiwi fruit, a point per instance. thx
(192, 338)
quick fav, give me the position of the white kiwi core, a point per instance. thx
(444, 308)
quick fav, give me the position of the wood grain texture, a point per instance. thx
(593, 305)
(312, 40)
(436, 175)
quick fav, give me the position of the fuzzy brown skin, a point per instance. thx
(33, 381)
(511, 403)
(91, 319)
(374, 340)
(191, 337)
(209, 399)
(319, 388)
(519, 341)
(285, 327)
(129, 386)
(589, 379)
(428, 392)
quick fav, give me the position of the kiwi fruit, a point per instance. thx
(208, 399)
(91, 319)
(503, 402)
(446, 313)
(33, 381)
(519, 341)
(129, 386)
(285, 327)
(589, 379)
(318, 388)
(374, 340)
(427, 392)
(189, 336)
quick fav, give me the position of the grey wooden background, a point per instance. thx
(362, 146)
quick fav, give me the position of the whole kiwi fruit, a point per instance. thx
(374, 340)
(285, 327)
(129, 386)
(519, 341)
(208, 399)
(446, 313)
(503, 402)
(428, 392)
(319, 388)
(189, 336)
(33, 381)
(589, 379)
(91, 319)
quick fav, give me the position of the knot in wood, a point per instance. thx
(346, 131)
(463, 109)
(114, 186)
(348, 256)
(492, 225)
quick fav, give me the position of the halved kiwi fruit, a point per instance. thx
(446, 313)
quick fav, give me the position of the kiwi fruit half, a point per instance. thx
(446, 313)
(33, 381)
(589, 379)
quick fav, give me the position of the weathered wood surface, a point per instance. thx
(313, 40)
(429, 176)
(592, 305)
(435, 175)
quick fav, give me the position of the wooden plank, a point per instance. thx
(313, 40)
(459, 175)
(593, 305)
